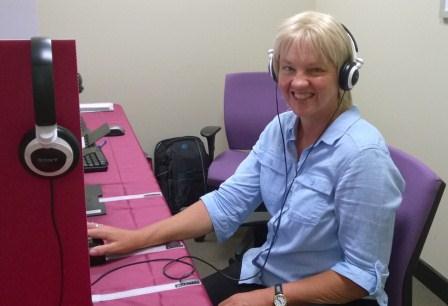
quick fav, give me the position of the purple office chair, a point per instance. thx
(249, 105)
(421, 198)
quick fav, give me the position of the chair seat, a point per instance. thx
(224, 165)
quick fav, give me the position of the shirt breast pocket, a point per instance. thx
(311, 199)
(272, 180)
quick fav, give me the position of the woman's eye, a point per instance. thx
(316, 70)
(287, 69)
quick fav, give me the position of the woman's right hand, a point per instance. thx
(116, 240)
(194, 221)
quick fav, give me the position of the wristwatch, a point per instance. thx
(279, 297)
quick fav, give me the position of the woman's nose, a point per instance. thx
(300, 80)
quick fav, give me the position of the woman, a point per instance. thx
(324, 175)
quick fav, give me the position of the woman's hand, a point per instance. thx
(191, 222)
(116, 240)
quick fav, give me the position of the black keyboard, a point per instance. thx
(94, 159)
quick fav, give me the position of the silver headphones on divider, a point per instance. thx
(349, 72)
(48, 150)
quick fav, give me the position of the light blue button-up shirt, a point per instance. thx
(339, 213)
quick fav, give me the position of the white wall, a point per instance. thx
(403, 86)
(18, 19)
(165, 62)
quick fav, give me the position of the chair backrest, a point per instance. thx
(414, 217)
(249, 105)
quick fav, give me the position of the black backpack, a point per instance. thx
(180, 166)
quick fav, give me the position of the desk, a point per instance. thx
(129, 173)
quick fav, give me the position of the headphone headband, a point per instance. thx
(355, 49)
(352, 39)
(349, 72)
(42, 75)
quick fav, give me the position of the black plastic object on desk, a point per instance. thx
(94, 159)
(93, 205)
(96, 260)
(115, 130)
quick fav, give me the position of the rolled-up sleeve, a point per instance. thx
(367, 197)
(235, 199)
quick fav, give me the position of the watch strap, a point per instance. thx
(278, 289)
(279, 297)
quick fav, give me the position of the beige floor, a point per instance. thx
(218, 255)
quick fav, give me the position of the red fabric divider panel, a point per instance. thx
(34, 268)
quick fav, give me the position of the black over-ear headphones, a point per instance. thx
(349, 72)
(48, 150)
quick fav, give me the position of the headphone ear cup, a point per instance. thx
(51, 160)
(23, 151)
(73, 143)
(348, 76)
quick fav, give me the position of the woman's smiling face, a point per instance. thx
(308, 82)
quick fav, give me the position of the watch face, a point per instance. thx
(279, 300)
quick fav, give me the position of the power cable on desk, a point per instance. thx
(170, 261)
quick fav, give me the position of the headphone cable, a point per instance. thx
(298, 171)
(59, 242)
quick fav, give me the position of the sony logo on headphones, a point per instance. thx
(47, 160)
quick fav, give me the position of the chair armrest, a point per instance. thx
(209, 132)
(256, 236)
(257, 218)
(148, 159)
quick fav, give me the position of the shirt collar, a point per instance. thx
(336, 129)
(339, 126)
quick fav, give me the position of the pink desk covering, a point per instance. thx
(129, 173)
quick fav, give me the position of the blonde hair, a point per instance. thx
(326, 36)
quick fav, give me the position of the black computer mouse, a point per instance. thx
(96, 260)
(115, 130)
